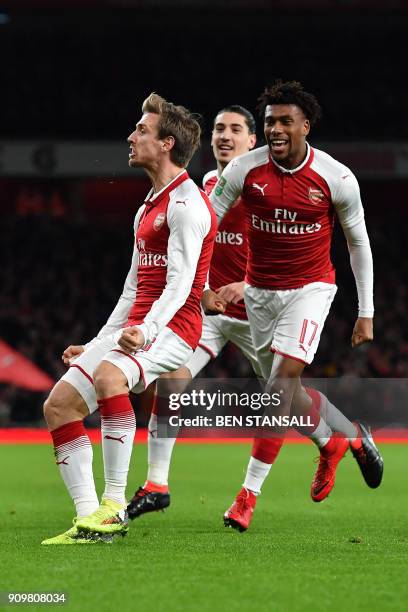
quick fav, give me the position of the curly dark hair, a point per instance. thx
(290, 92)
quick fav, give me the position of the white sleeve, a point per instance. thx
(207, 176)
(349, 208)
(188, 227)
(120, 313)
(229, 187)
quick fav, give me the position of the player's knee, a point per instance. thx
(285, 376)
(182, 373)
(48, 409)
(173, 382)
(101, 378)
(109, 380)
(63, 405)
(54, 411)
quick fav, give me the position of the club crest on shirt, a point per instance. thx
(159, 220)
(316, 195)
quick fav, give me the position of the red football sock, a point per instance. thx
(329, 447)
(153, 487)
(266, 449)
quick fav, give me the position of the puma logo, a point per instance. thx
(108, 437)
(64, 461)
(261, 189)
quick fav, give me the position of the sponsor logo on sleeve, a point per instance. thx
(220, 186)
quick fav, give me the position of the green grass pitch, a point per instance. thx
(347, 553)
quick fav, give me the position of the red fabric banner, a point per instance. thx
(15, 369)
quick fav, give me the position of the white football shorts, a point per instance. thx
(287, 322)
(217, 331)
(169, 352)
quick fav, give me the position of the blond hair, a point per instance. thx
(178, 122)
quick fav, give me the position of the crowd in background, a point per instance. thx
(62, 274)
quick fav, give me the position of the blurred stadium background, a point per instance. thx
(72, 84)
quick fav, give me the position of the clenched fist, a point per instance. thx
(212, 304)
(232, 293)
(132, 339)
(362, 332)
(71, 353)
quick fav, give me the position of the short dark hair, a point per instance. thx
(240, 110)
(290, 92)
(178, 122)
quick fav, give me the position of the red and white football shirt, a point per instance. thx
(290, 216)
(174, 237)
(228, 263)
